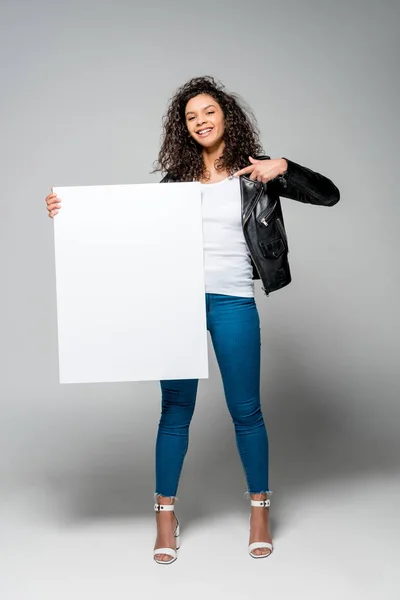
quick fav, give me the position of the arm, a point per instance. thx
(303, 184)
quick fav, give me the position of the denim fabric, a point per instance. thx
(234, 326)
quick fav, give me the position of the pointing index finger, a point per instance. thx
(248, 169)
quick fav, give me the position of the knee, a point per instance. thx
(248, 416)
(177, 408)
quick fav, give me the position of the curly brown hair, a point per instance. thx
(180, 156)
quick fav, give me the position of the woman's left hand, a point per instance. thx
(264, 170)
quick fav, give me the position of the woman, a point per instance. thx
(209, 137)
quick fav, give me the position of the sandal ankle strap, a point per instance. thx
(163, 507)
(261, 503)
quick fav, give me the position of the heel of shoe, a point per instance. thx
(177, 537)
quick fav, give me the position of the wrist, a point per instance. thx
(284, 167)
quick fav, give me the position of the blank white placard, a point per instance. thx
(130, 283)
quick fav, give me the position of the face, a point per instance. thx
(205, 120)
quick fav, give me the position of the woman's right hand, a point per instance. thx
(53, 204)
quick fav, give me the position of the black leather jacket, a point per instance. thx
(262, 218)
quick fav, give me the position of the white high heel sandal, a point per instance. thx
(259, 545)
(170, 551)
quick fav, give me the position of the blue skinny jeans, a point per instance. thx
(234, 326)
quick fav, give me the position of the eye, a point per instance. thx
(211, 112)
(190, 118)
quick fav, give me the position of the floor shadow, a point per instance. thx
(312, 442)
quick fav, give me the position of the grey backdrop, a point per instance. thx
(83, 88)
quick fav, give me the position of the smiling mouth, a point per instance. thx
(204, 132)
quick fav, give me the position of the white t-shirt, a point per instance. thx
(227, 263)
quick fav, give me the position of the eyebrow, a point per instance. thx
(205, 108)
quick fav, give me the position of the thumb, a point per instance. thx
(253, 160)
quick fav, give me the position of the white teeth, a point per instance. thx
(204, 131)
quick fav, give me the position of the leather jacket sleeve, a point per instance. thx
(303, 184)
(299, 183)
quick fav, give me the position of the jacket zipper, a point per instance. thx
(253, 204)
(264, 220)
(265, 287)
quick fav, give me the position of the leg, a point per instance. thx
(178, 403)
(177, 407)
(235, 331)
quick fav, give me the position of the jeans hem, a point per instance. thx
(268, 492)
(164, 496)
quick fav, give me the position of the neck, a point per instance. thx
(210, 155)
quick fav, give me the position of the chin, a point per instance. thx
(208, 143)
